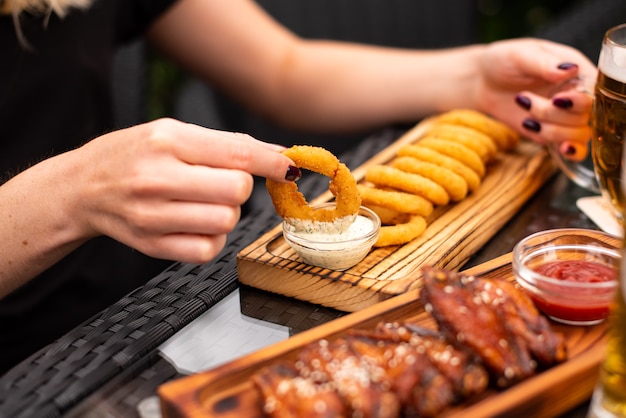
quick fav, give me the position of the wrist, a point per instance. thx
(461, 84)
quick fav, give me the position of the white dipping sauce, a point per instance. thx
(339, 230)
(325, 244)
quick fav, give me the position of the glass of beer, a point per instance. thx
(608, 117)
(609, 396)
(608, 123)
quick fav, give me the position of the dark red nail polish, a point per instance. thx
(562, 103)
(293, 173)
(523, 101)
(567, 66)
(569, 150)
(531, 125)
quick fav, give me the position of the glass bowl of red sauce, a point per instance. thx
(570, 274)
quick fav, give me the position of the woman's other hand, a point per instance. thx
(519, 78)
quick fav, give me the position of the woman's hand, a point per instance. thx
(173, 190)
(519, 78)
(168, 189)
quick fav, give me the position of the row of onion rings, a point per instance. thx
(444, 165)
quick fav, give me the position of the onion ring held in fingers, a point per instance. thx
(291, 204)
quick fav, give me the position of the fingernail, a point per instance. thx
(293, 173)
(567, 66)
(523, 101)
(562, 103)
(569, 150)
(531, 125)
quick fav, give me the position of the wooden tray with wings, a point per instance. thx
(227, 391)
(454, 233)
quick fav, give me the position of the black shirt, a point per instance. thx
(56, 94)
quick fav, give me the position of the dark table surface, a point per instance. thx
(130, 389)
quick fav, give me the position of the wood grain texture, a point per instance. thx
(226, 391)
(454, 233)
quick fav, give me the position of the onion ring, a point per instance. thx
(401, 233)
(291, 204)
(475, 140)
(457, 151)
(432, 156)
(395, 200)
(506, 137)
(386, 176)
(454, 184)
(389, 216)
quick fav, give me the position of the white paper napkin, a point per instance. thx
(219, 335)
(601, 213)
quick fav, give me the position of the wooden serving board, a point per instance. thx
(227, 392)
(454, 233)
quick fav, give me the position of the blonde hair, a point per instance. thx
(43, 7)
(60, 7)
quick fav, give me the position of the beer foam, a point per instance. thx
(612, 63)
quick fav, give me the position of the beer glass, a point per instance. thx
(608, 124)
(609, 396)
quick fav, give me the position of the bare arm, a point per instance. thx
(336, 86)
(316, 85)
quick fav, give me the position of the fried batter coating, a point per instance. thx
(401, 233)
(482, 144)
(454, 184)
(386, 176)
(457, 151)
(395, 200)
(389, 216)
(432, 156)
(291, 204)
(506, 137)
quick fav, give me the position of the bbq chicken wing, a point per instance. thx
(422, 389)
(467, 376)
(353, 376)
(286, 394)
(480, 316)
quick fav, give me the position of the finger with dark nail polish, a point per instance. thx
(531, 125)
(563, 103)
(567, 66)
(523, 101)
(569, 150)
(293, 173)
(572, 151)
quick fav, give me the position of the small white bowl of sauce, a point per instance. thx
(335, 245)
(570, 274)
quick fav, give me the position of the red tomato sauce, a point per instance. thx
(575, 271)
